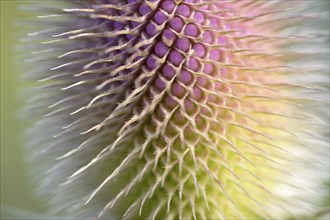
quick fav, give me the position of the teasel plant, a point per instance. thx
(178, 109)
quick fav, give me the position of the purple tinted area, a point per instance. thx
(208, 68)
(118, 25)
(197, 93)
(144, 9)
(201, 81)
(178, 90)
(151, 30)
(221, 40)
(170, 102)
(198, 120)
(189, 106)
(185, 80)
(213, 22)
(161, 49)
(228, 27)
(214, 55)
(199, 50)
(160, 84)
(176, 48)
(160, 17)
(168, 71)
(134, 24)
(217, 85)
(168, 34)
(199, 17)
(168, 6)
(191, 30)
(224, 72)
(129, 37)
(152, 62)
(193, 64)
(175, 58)
(183, 10)
(176, 24)
(207, 37)
(185, 77)
(212, 98)
(183, 44)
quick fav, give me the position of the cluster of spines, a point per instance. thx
(172, 108)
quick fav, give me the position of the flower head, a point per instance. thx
(177, 109)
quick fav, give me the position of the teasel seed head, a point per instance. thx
(178, 109)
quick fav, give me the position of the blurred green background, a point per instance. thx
(16, 191)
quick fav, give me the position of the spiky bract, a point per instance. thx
(176, 109)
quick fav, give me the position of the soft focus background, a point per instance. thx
(17, 199)
(16, 191)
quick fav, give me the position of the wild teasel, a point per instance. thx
(178, 109)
